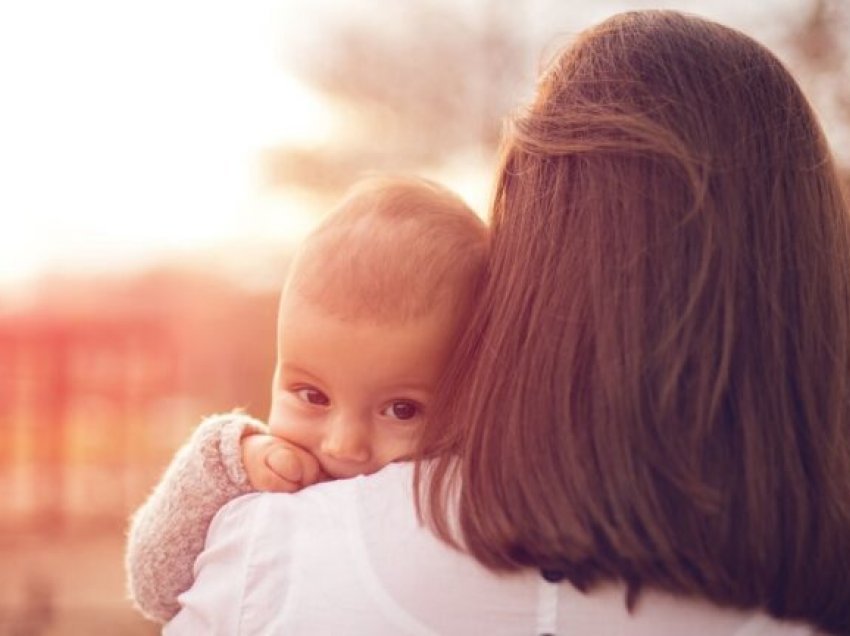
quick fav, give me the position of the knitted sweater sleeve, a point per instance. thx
(168, 531)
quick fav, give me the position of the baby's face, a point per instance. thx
(355, 394)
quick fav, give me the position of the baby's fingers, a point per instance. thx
(311, 469)
(262, 476)
(284, 462)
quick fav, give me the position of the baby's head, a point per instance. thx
(371, 308)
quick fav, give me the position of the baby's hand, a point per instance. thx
(275, 465)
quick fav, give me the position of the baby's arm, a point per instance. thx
(168, 531)
(227, 456)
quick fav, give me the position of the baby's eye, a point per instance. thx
(402, 410)
(312, 396)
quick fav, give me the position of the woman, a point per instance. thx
(650, 407)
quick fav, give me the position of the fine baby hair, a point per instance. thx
(395, 248)
(660, 360)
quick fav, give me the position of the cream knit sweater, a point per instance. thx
(168, 531)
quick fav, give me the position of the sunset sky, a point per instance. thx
(131, 131)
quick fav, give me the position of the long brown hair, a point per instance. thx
(656, 386)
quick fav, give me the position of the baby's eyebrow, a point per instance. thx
(417, 387)
(298, 370)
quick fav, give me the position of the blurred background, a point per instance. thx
(159, 160)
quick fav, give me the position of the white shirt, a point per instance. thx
(350, 557)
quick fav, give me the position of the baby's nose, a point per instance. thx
(347, 441)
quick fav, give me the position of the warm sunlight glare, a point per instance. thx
(133, 130)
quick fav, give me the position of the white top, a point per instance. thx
(350, 557)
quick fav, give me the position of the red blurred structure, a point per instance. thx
(70, 395)
(99, 384)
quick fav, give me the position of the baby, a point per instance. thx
(369, 314)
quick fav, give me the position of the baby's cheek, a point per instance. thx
(277, 418)
(398, 445)
(290, 425)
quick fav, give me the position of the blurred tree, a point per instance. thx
(424, 81)
(418, 81)
(821, 37)
(820, 47)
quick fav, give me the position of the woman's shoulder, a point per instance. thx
(394, 482)
(359, 543)
(387, 488)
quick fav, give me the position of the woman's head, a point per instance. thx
(656, 387)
